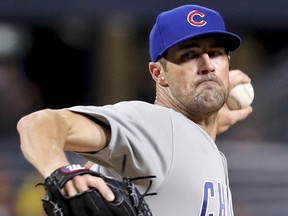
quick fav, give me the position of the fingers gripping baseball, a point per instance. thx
(241, 92)
(237, 77)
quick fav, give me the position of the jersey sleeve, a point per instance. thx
(139, 130)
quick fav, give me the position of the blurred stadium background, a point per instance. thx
(63, 53)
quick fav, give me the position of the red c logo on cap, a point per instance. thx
(192, 14)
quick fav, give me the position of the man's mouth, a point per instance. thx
(208, 79)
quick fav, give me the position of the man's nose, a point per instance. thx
(205, 64)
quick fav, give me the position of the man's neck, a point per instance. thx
(206, 122)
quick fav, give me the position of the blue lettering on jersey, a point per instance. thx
(208, 187)
(221, 199)
(209, 194)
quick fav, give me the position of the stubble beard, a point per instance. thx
(200, 106)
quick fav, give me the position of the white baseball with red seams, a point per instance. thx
(241, 96)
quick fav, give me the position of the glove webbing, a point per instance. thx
(136, 201)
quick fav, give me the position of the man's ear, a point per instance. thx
(157, 73)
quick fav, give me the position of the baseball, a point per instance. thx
(241, 96)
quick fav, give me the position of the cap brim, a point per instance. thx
(231, 41)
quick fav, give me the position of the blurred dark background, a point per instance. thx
(56, 54)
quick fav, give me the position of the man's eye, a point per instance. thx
(189, 55)
(215, 53)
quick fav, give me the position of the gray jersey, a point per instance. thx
(191, 172)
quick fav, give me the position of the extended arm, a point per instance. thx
(46, 134)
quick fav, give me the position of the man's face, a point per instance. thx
(197, 72)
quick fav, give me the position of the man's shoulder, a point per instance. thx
(142, 105)
(130, 109)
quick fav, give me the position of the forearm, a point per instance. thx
(42, 137)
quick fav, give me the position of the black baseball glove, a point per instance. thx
(128, 201)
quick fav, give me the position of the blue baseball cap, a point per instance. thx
(185, 22)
